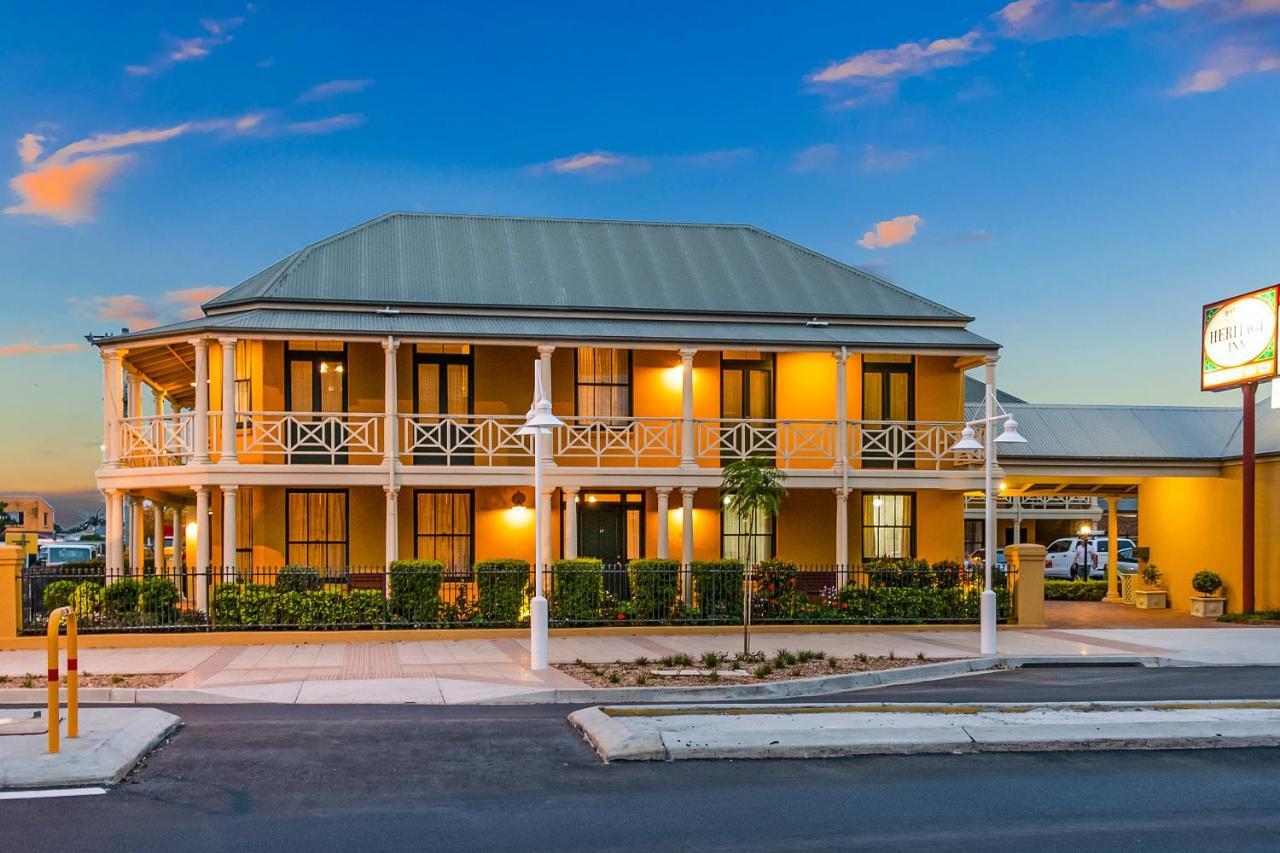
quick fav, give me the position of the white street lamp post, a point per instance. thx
(538, 423)
(1009, 435)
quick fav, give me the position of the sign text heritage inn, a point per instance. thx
(361, 399)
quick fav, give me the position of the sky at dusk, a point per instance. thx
(1079, 176)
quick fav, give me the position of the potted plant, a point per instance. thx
(1208, 604)
(1149, 596)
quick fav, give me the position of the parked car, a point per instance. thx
(1057, 558)
(979, 557)
(57, 553)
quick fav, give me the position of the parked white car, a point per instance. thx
(1057, 558)
(57, 553)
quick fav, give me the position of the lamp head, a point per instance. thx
(966, 442)
(1010, 434)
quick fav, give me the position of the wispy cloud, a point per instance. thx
(187, 302)
(591, 164)
(875, 74)
(892, 232)
(882, 160)
(978, 235)
(64, 186)
(816, 158)
(720, 158)
(38, 349)
(332, 89)
(332, 124)
(177, 50)
(1038, 20)
(1225, 65)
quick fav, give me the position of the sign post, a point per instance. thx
(1238, 350)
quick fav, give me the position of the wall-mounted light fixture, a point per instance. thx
(518, 500)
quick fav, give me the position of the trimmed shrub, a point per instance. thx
(1059, 590)
(501, 587)
(57, 594)
(258, 604)
(225, 607)
(655, 586)
(299, 579)
(1206, 583)
(86, 601)
(121, 597)
(913, 605)
(415, 590)
(577, 589)
(717, 589)
(364, 607)
(776, 594)
(158, 599)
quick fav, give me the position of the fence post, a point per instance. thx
(10, 590)
(1027, 564)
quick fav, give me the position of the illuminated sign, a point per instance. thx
(1238, 341)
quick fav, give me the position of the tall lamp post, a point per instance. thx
(538, 422)
(968, 442)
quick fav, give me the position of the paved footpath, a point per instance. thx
(475, 670)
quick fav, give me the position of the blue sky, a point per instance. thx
(1081, 177)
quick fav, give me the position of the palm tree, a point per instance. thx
(754, 488)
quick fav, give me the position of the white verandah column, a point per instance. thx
(115, 533)
(179, 561)
(137, 539)
(157, 538)
(228, 449)
(230, 508)
(391, 549)
(842, 537)
(112, 405)
(686, 537)
(688, 458)
(664, 532)
(200, 427)
(570, 521)
(548, 444)
(202, 547)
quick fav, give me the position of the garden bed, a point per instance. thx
(87, 679)
(725, 669)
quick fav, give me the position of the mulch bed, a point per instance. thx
(632, 674)
(151, 679)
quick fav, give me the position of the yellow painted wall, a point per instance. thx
(939, 389)
(806, 527)
(939, 525)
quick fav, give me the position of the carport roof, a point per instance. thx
(1140, 433)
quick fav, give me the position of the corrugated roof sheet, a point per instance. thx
(1120, 432)
(502, 326)
(491, 261)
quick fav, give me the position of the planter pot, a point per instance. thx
(1151, 599)
(1208, 606)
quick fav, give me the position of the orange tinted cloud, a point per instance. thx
(597, 163)
(332, 89)
(187, 301)
(127, 309)
(1224, 66)
(38, 349)
(877, 72)
(891, 232)
(29, 147)
(65, 193)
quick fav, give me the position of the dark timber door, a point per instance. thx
(746, 393)
(316, 387)
(442, 386)
(611, 529)
(888, 394)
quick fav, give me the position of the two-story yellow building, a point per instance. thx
(360, 400)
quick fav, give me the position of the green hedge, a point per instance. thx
(299, 579)
(908, 605)
(717, 589)
(577, 589)
(251, 605)
(501, 589)
(158, 599)
(121, 597)
(1059, 590)
(58, 594)
(655, 586)
(415, 590)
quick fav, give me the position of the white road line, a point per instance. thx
(40, 794)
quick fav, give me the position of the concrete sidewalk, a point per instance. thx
(110, 743)
(478, 670)
(674, 732)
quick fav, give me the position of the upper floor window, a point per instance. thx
(602, 383)
(244, 386)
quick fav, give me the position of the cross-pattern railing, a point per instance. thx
(310, 437)
(465, 439)
(1037, 502)
(624, 439)
(156, 440)
(493, 440)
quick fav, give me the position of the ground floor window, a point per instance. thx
(742, 540)
(888, 526)
(444, 527)
(317, 528)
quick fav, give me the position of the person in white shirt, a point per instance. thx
(1084, 557)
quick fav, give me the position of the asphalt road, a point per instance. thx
(318, 778)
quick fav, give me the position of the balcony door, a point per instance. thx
(316, 388)
(888, 395)
(442, 386)
(746, 394)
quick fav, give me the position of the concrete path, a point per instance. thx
(474, 670)
(673, 733)
(110, 743)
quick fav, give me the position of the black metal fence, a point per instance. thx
(496, 594)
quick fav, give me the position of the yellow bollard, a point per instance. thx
(73, 676)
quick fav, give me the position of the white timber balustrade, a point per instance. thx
(465, 439)
(309, 437)
(628, 439)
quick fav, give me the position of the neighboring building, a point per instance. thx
(28, 514)
(360, 399)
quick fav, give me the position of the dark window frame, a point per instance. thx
(451, 571)
(288, 525)
(630, 383)
(769, 361)
(624, 494)
(913, 526)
